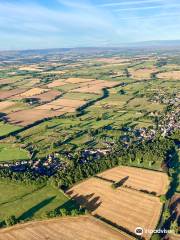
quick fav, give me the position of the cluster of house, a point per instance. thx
(165, 99)
(47, 166)
(170, 122)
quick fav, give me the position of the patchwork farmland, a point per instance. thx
(89, 130)
(56, 104)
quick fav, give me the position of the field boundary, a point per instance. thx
(118, 227)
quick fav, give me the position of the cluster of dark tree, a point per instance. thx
(9, 221)
(150, 152)
(157, 150)
(27, 177)
(62, 212)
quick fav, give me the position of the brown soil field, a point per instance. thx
(142, 73)
(56, 83)
(4, 94)
(173, 75)
(139, 179)
(121, 206)
(69, 228)
(48, 96)
(29, 116)
(6, 104)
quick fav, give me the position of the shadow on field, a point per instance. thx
(105, 179)
(89, 201)
(29, 213)
(121, 182)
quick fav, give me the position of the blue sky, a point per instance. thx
(78, 23)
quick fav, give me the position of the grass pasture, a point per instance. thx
(6, 128)
(30, 202)
(12, 152)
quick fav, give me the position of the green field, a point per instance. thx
(6, 128)
(12, 152)
(30, 202)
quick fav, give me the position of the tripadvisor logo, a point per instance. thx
(139, 231)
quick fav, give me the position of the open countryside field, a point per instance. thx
(143, 73)
(12, 152)
(172, 75)
(7, 128)
(123, 206)
(54, 107)
(82, 228)
(139, 179)
(30, 201)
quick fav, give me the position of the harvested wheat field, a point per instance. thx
(32, 92)
(69, 228)
(138, 178)
(144, 73)
(173, 75)
(124, 207)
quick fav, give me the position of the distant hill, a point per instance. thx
(157, 43)
(146, 45)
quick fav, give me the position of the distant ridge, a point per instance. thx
(157, 43)
(145, 44)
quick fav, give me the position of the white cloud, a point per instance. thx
(114, 4)
(148, 7)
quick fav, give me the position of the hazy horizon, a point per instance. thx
(42, 24)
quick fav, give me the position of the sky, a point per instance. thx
(38, 24)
